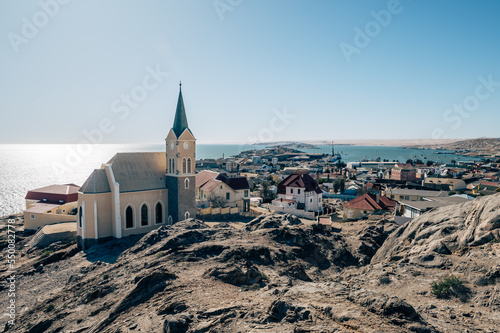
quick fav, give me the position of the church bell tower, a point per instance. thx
(181, 162)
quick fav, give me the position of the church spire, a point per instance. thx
(180, 121)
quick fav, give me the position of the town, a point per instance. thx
(316, 187)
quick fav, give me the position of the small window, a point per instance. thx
(129, 218)
(144, 215)
(228, 196)
(32, 216)
(186, 215)
(298, 191)
(186, 183)
(311, 200)
(80, 216)
(64, 210)
(170, 219)
(246, 193)
(291, 190)
(159, 213)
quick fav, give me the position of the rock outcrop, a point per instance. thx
(445, 230)
(273, 274)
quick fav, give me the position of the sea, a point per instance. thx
(24, 167)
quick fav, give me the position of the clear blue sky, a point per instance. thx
(242, 61)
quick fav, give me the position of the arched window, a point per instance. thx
(129, 217)
(186, 183)
(189, 165)
(80, 216)
(159, 213)
(170, 219)
(144, 215)
(184, 165)
(186, 215)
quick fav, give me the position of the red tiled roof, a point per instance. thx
(368, 201)
(55, 193)
(490, 183)
(204, 176)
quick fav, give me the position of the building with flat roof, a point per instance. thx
(50, 204)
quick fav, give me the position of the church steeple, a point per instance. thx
(180, 173)
(180, 121)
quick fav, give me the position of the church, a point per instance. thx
(134, 193)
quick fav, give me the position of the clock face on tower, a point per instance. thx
(171, 145)
(186, 145)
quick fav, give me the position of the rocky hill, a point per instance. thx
(481, 147)
(274, 275)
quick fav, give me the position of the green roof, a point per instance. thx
(180, 121)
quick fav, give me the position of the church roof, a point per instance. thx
(96, 183)
(180, 121)
(139, 171)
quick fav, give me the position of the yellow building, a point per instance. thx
(135, 193)
(49, 205)
(233, 191)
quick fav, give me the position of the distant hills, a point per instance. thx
(481, 147)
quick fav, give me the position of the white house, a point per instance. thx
(304, 190)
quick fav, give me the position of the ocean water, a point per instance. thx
(25, 167)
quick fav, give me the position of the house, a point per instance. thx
(50, 204)
(234, 191)
(399, 194)
(445, 184)
(303, 189)
(403, 172)
(367, 204)
(490, 186)
(411, 209)
(134, 193)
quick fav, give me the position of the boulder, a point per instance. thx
(272, 221)
(235, 274)
(445, 230)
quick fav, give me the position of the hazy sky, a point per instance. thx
(251, 70)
